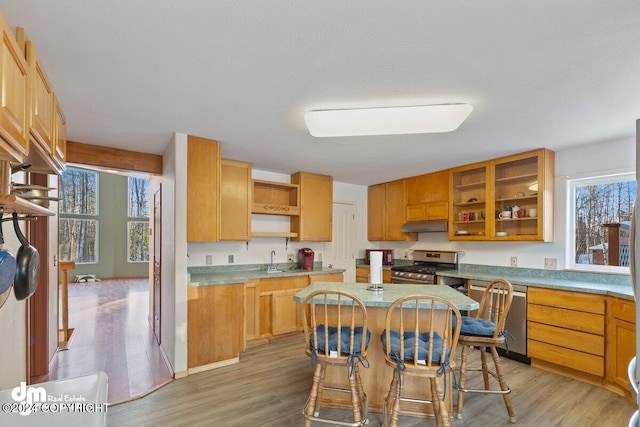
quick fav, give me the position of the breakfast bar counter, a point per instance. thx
(377, 378)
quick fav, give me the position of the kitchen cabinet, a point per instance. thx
(387, 212)
(270, 309)
(470, 194)
(14, 113)
(236, 190)
(428, 197)
(47, 125)
(315, 222)
(215, 324)
(481, 191)
(621, 341)
(566, 331)
(363, 275)
(203, 189)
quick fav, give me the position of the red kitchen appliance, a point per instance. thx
(387, 255)
(305, 259)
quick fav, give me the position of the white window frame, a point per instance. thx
(97, 244)
(592, 179)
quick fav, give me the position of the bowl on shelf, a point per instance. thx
(462, 233)
(501, 233)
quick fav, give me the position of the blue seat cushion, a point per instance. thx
(475, 326)
(409, 341)
(345, 336)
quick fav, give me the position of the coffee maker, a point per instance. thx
(305, 259)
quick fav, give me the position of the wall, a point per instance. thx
(112, 237)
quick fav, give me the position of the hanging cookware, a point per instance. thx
(27, 265)
(7, 269)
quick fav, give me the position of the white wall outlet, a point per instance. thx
(291, 258)
(514, 261)
(319, 256)
(208, 260)
(230, 259)
(551, 263)
(406, 254)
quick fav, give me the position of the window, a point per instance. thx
(78, 230)
(138, 224)
(601, 209)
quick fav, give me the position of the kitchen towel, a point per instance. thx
(375, 265)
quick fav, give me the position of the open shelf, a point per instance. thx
(275, 198)
(12, 203)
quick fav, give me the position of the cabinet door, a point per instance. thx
(362, 274)
(14, 73)
(376, 212)
(203, 189)
(621, 340)
(235, 200)
(60, 132)
(285, 312)
(469, 208)
(337, 277)
(315, 222)
(251, 310)
(42, 106)
(431, 187)
(396, 202)
(524, 183)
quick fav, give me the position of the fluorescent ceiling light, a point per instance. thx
(387, 120)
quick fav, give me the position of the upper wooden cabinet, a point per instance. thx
(428, 196)
(47, 126)
(315, 222)
(14, 98)
(236, 190)
(203, 189)
(387, 212)
(481, 192)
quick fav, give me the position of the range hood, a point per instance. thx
(425, 226)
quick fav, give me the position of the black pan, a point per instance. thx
(7, 270)
(27, 266)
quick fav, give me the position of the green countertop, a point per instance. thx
(390, 293)
(593, 283)
(216, 277)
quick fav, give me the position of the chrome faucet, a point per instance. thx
(271, 266)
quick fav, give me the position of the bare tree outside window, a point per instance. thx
(138, 230)
(603, 206)
(78, 230)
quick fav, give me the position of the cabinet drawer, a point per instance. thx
(567, 299)
(623, 310)
(565, 357)
(575, 340)
(568, 319)
(283, 283)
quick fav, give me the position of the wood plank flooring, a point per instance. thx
(112, 334)
(270, 385)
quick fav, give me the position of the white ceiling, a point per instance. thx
(545, 73)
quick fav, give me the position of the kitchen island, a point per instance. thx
(377, 377)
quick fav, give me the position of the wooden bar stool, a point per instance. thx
(336, 337)
(419, 340)
(486, 330)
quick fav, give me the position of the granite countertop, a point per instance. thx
(390, 293)
(594, 283)
(203, 276)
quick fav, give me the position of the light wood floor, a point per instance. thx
(270, 385)
(112, 334)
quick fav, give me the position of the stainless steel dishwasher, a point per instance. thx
(516, 322)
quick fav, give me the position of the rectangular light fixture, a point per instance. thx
(387, 120)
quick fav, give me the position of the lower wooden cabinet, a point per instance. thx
(215, 324)
(269, 307)
(363, 273)
(566, 329)
(621, 341)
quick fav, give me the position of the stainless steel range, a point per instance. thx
(426, 265)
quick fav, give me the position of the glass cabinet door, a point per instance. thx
(468, 214)
(517, 202)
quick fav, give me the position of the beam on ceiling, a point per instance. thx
(113, 158)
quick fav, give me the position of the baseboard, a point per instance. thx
(211, 366)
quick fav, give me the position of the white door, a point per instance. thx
(341, 251)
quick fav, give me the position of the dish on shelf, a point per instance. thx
(462, 233)
(501, 233)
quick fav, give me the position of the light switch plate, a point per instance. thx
(551, 263)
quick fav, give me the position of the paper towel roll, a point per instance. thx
(375, 265)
